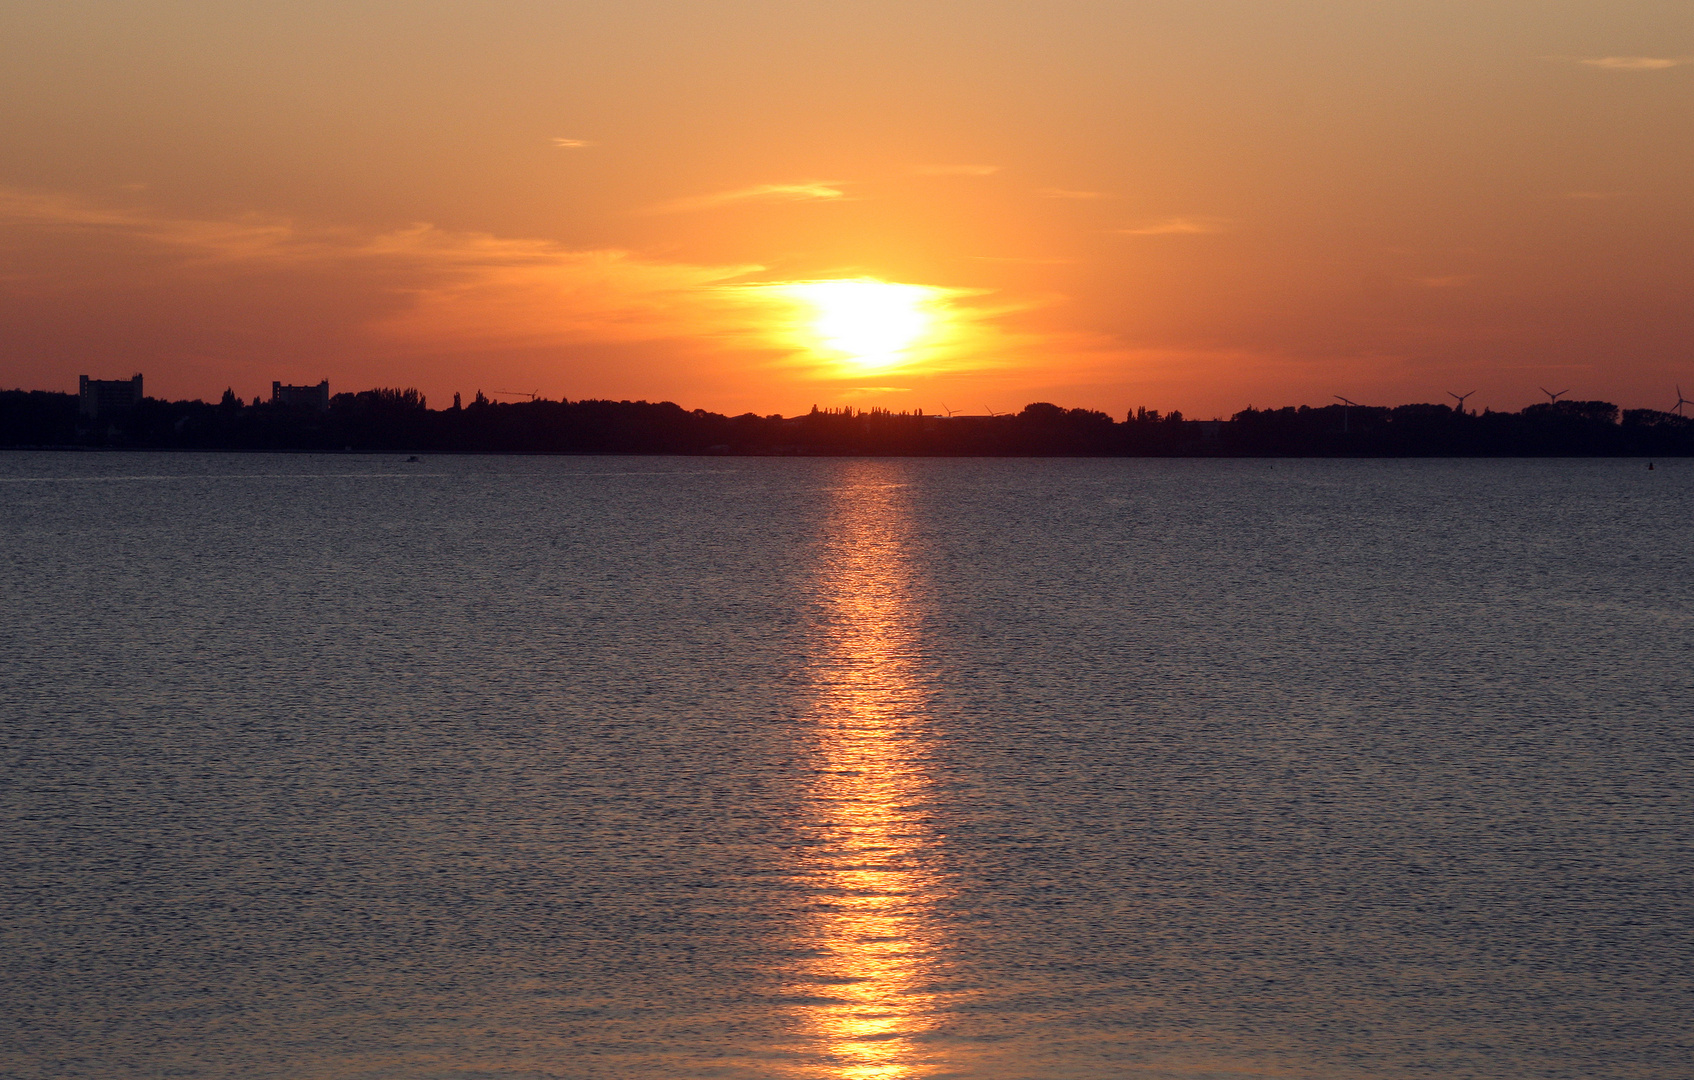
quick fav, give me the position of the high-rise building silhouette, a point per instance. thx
(316, 397)
(100, 397)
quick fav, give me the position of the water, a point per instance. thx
(344, 767)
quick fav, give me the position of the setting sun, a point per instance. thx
(871, 325)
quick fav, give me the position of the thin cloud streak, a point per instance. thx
(1024, 260)
(1066, 193)
(1178, 226)
(1634, 63)
(956, 170)
(817, 190)
(571, 144)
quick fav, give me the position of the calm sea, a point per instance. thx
(348, 768)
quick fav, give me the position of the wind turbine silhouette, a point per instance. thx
(948, 411)
(991, 412)
(1552, 398)
(1680, 401)
(1347, 413)
(1461, 398)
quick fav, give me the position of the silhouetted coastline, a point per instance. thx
(391, 420)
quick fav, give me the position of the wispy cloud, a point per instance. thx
(571, 144)
(421, 286)
(245, 237)
(1178, 226)
(805, 192)
(1634, 63)
(955, 170)
(1025, 259)
(1067, 193)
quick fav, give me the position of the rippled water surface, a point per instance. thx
(352, 768)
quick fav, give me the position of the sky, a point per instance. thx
(765, 205)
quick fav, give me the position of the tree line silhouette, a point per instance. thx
(399, 420)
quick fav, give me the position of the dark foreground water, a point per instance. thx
(346, 768)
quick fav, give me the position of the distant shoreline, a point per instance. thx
(238, 451)
(388, 421)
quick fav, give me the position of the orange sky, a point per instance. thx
(1194, 204)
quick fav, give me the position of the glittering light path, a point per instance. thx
(870, 859)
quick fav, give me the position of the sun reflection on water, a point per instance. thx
(870, 859)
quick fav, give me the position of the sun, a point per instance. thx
(866, 324)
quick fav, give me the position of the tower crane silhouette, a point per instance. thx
(1347, 413)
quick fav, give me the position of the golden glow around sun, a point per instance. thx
(863, 323)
